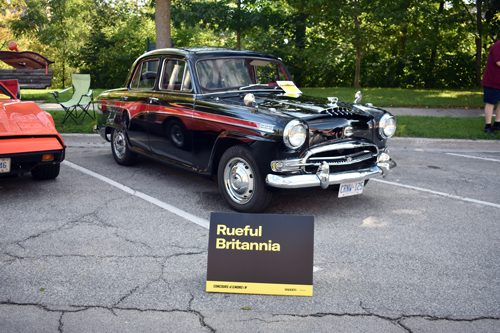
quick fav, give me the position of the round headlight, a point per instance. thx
(294, 134)
(387, 126)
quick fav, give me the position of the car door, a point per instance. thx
(137, 102)
(171, 111)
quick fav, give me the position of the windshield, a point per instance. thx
(215, 75)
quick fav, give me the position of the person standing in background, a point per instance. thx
(491, 85)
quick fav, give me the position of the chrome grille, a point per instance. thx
(347, 155)
(343, 154)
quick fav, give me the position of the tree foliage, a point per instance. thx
(117, 34)
(367, 43)
(98, 37)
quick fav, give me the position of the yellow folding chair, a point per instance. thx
(79, 103)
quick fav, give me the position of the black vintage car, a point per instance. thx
(237, 115)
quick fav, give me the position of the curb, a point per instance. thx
(445, 144)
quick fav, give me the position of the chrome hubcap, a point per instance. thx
(239, 180)
(119, 145)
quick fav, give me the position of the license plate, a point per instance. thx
(4, 165)
(348, 189)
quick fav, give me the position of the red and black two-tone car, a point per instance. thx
(238, 115)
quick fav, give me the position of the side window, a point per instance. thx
(145, 75)
(176, 76)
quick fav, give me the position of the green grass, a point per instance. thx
(44, 94)
(70, 126)
(471, 128)
(384, 97)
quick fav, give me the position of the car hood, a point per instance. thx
(326, 121)
(24, 118)
(303, 107)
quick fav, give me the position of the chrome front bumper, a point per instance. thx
(324, 178)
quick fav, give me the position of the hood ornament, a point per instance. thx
(358, 97)
(333, 101)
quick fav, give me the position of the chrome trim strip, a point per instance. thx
(265, 127)
(237, 92)
(359, 153)
(346, 161)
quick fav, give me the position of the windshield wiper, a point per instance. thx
(257, 85)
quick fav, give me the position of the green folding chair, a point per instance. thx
(80, 102)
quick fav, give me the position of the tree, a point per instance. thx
(162, 22)
(226, 16)
(55, 24)
(357, 23)
(478, 33)
(12, 10)
(399, 43)
(115, 37)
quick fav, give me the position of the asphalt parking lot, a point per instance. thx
(105, 248)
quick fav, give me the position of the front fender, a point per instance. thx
(262, 149)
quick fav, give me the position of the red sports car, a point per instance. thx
(29, 141)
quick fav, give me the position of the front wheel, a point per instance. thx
(121, 151)
(240, 181)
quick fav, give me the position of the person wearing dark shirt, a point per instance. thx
(491, 85)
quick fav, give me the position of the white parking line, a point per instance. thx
(485, 203)
(190, 217)
(475, 157)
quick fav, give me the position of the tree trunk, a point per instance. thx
(162, 22)
(478, 43)
(300, 45)
(357, 45)
(238, 32)
(357, 73)
(403, 39)
(432, 61)
(64, 73)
